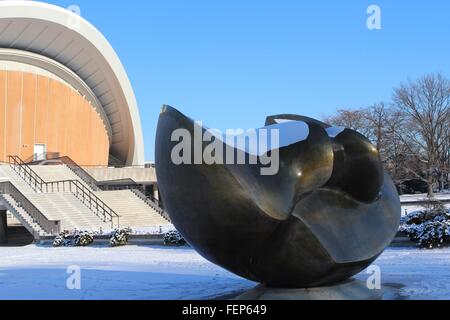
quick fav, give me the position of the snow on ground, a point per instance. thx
(130, 272)
(153, 272)
(153, 230)
(408, 208)
(415, 273)
(423, 197)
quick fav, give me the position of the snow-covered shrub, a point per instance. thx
(430, 234)
(174, 238)
(430, 227)
(62, 240)
(119, 237)
(83, 238)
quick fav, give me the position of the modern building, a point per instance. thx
(71, 145)
(63, 89)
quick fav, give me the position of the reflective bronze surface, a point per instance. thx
(326, 215)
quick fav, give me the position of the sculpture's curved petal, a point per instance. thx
(303, 167)
(325, 215)
(348, 229)
(206, 203)
(357, 167)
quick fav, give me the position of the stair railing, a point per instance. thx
(80, 172)
(130, 184)
(84, 194)
(26, 173)
(94, 203)
(152, 202)
(49, 226)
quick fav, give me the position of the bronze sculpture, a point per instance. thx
(328, 212)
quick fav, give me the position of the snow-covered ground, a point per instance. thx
(131, 272)
(151, 272)
(408, 208)
(423, 197)
(413, 273)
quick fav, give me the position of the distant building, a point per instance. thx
(63, 89)
(71, 145)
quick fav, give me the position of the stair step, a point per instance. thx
(73, 212)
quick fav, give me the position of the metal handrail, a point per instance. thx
(152, 202)
(38, 157)
(49, 226)
(79, 171)
(84, 194)
(133, 186)
(94, 202)
(24, 171)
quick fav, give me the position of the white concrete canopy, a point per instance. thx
(67, 38)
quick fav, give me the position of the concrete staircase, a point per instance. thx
(22, 216)
(63, 207)
(72, 213)
(133, 212)
(51, 173)
(9, 174)
(66, 208)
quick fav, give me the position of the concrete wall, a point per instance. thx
(35, 109)
(140, 175)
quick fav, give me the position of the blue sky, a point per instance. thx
(232, 63)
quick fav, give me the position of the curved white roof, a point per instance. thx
(70, 40)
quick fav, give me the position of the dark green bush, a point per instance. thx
(429, 228)
(174, 238)
(119, 237)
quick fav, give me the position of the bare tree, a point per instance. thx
(377, 117)
(393, 151)
(352, 119)
(424, 105)
(412, 135)
(444, 155)
(370, 122)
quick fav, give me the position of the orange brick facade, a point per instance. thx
(36, 109)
